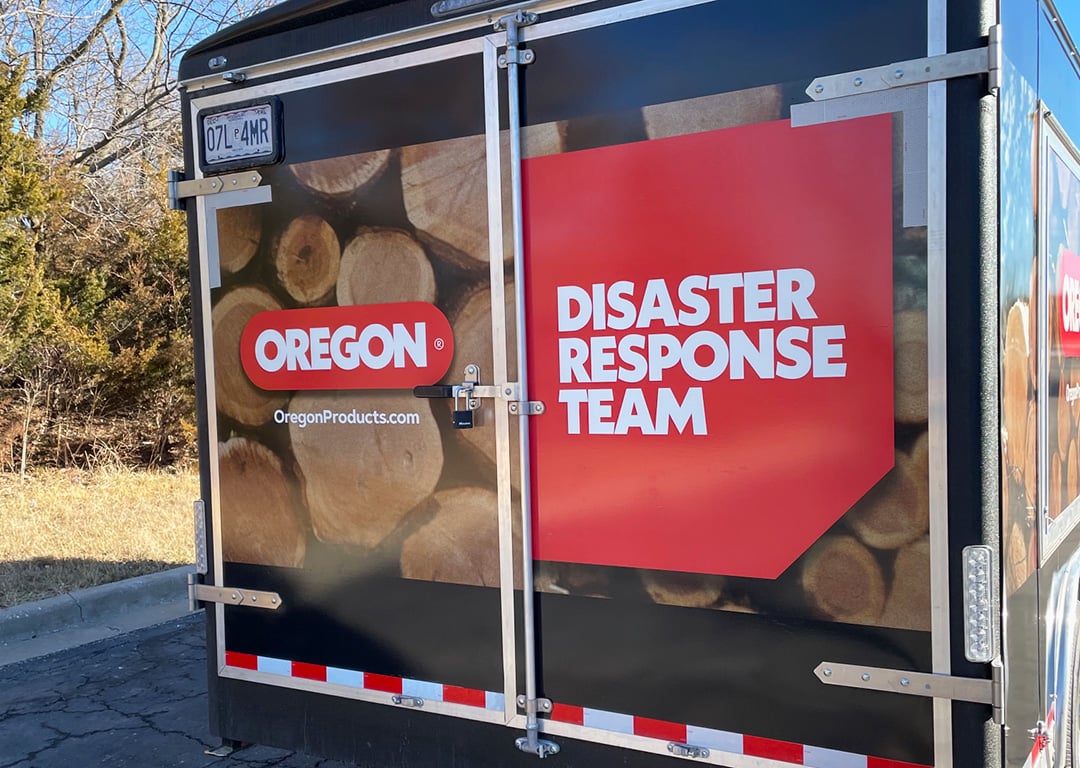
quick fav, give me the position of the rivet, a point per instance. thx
(235, 596)
(858, 81)
(827, 672)
(904, 681)
(819, 88)
(254, 598)
(898, 74)
(865, 676)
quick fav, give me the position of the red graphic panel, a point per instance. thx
(1069, 289)
(368, 346)
(710, 329)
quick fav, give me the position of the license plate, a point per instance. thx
(239, 134)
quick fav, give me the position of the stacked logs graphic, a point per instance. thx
(379, 227)
(411, 224)
(1019, 429)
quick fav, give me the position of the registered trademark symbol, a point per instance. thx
(439, 343)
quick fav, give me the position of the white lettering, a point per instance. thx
(666, 412)
(707, 303)
(343, 348)
(570, 319)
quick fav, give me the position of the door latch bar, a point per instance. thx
(470, 392)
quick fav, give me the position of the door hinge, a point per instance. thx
(248, 598)
(202, 560)
(975, 61)
(977, 690)
(180, 188)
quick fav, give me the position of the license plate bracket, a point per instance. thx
(240, 136)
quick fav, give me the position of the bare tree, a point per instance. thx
(100, 81)
(98, 104)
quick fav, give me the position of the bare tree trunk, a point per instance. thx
(30, 392)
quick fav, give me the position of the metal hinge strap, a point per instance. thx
(979, 691)
(249, 598)
(181, 189)
(975, 61)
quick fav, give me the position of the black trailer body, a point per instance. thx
(1039, 211)
(686, 315)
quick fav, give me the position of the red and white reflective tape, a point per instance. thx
(369, 681)
(722, 741)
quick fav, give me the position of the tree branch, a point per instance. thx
(43, 87)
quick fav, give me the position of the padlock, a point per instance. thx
(463, 417)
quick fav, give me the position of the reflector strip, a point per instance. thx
(370, 681)
(617, 722)
(721, 741)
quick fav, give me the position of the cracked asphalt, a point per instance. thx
(138, 699)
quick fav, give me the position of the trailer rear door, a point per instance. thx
(726, 319)
(357, 269)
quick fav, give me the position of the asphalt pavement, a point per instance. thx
(118, 683)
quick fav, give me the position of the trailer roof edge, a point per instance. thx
(285, 16)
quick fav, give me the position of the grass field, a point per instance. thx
(66, 529)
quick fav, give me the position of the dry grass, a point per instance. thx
(62, 530)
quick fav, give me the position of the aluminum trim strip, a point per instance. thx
(608, 16)
(726, 749)
(1052, 140)
(499, 374)
(210, 277)
(911, 103)
(208, 253)
(937, 360)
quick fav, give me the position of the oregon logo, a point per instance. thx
(373, 346)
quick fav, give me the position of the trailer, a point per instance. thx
(622, 382)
